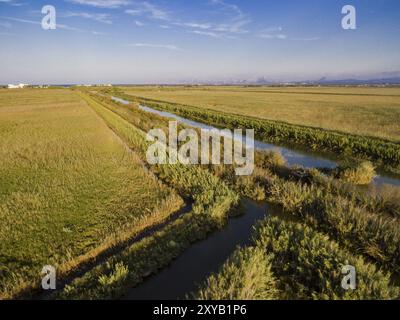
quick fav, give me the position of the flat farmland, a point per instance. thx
(371, 112)
(75, 194)
(69, 188)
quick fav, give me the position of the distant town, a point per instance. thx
(44, 86)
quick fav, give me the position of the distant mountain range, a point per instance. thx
(326, 81)
(388, 80)
(380, 81)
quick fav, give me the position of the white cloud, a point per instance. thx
(59, 26)
(231, 7)
(273, 33)
(196, 25)
(102, 3)
(134, 12)
(272, 29)
(234, 21)
(234, 24)
(139, 23)
(274, 36)
(22, 20)
(150, 10)
(216, 30)
(238, 19)
(69, 28)
(233, 27)
(97, 33)
(277, 33)
(100, 17)
(151, 45)
(207, 33)
(12, 2)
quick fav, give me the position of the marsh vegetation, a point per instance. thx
(78, 175)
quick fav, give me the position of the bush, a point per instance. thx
(359, 174)
(269, 159)
(118, 274)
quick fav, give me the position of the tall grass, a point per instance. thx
(246, 275)
(69, 189)
(375, 236)
(308, 264)
(289, 260)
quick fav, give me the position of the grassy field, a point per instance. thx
(69, 188)
(73, 185)
(362, 111)
(337, 226)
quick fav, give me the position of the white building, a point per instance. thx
(18, 86)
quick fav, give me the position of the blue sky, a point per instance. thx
(170, 41)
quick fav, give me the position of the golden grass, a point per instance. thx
(69, 189)
(363, 111)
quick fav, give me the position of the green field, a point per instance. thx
(69, 187)
(75, 186)
(339, 224)
(363, 111)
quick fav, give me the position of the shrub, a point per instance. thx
(269, 159)
(360, 174)
(291, 196)
(118, 274)
(246, 186)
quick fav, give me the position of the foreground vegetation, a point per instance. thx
(297, 263)
(100, 193)
(69, 189)
(246, 275)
